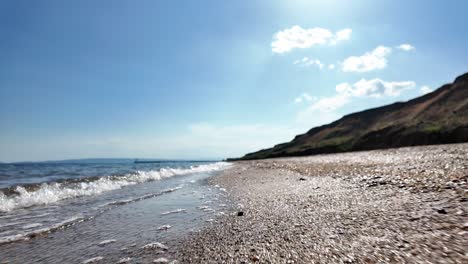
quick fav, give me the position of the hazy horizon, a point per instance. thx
(102, 160)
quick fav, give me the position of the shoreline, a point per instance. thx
(138, 224)
(380, 206)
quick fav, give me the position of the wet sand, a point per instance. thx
(387, 206)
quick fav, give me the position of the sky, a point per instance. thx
(209, 79)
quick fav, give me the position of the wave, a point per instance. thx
(48, 193)
(28, 235)
(70, 221)
(140, 198)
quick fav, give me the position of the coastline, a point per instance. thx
(135, 224)
(381, 206)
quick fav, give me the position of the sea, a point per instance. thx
(105, 210)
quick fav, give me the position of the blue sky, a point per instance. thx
(209, 79)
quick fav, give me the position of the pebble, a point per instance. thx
(382, 206)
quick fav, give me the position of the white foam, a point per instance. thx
(8, 239)
(136, 199)
(93, 260)
(180, 210)
(163, 227)
(155, 245)
(161, 260)
(10, 224)
(124, 260)
(105, 242)
(33, 225)
(27, 235)
(49, 193)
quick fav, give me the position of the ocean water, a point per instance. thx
(106, 209)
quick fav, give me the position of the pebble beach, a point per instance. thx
(407, 205)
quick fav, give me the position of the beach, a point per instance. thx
(406, 205)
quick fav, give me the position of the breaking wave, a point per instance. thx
(47, 193)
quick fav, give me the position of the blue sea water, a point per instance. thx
(92, 201)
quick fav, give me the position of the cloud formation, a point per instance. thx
(405, 47)
(341, 35)
(305, 97)
(375, 88)
(297, 37)
(425, 89)
(307, 62)
(373, 60)
(332, 103)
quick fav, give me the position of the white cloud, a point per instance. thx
(328, 104)
(308, 62)
(373, 60)
(405, 47)
(331, 66)
(425, 89)
(305, 97)
(300, 38)
(375, 88)
(341, 35)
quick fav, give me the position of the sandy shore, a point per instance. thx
(401, 205)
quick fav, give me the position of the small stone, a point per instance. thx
(302, 179)
(441, 211)
(254, 258)
(240, 213)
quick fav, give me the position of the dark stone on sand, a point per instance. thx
(302, 179)
(240, 213)
(442, 211)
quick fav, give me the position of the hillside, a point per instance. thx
(439, 117)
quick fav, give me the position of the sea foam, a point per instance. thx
(28, 235)
(49, 193)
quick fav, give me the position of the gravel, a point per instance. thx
(399, 205)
